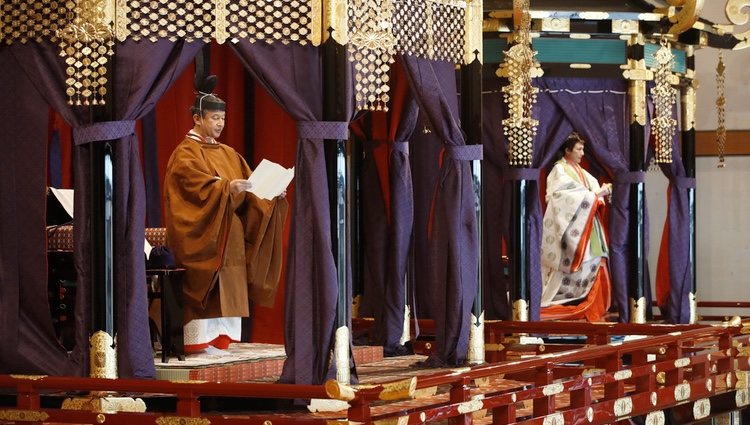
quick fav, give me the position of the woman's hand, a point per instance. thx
(606, 190)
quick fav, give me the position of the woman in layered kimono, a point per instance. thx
(574, 242)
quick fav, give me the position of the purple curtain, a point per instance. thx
(29, 344)
(600, 116)
(387, 245)
(453, 241)
(292, 74)
(424, 157)
(400, 231)
(374, 241)
(677, 309)
(553, 128)
(143, 72)
(596, 108)
(498, 180)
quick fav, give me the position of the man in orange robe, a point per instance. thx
(229, 240)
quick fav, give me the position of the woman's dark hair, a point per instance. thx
(572, 140)
(570, 143)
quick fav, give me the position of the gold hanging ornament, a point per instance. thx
(86, 45)
(519, 67)
(721, 129)
(371, 49)
(665, 98)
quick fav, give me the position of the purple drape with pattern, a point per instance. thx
(453, 238)
(292, 74)
(28, 340)
(400, 231)
(677, 308)
(596, 108)
(424, 155)
(374, 236)
(144, 71)
(387, 244)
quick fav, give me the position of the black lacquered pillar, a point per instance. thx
(471, 123)
(335, 68)
(637, 74)
(520, 293)
(102, 345)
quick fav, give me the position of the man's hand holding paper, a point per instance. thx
(240, 185)
(270, 180)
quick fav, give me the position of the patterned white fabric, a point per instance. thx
(570, 203)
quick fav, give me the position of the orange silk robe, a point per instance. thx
(231, 245)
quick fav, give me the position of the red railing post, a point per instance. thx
(28, 397)
(461, 393)
(725, 364)
(505, 414)
(674, 352)
(581, 397)
(646, 382)
(614, 390)
(545, 405)
(188, 404)
(359, 410)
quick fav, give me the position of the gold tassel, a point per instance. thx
(86, 45)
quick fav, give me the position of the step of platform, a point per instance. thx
(242, 362)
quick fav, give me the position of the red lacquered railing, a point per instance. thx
(694, 370)
(694, 363)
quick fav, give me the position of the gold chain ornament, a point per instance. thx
(721, 129)
(519, 67)
(86, 46)
(665, 97)
(371, 49)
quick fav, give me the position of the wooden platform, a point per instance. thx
(243, 362)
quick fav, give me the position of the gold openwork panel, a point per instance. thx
(29, 20)
(172, 19)
(263, 20)
(220, 20)
(431, 29)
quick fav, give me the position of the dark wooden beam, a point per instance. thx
(738, 143)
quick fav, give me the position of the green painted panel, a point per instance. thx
(570, 50)
(680, 58)
(564, 50)
(494, 50)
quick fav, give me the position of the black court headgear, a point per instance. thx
(205, 100)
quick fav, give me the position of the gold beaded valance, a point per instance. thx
(377, 30)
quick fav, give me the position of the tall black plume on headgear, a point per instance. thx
(205, 100)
